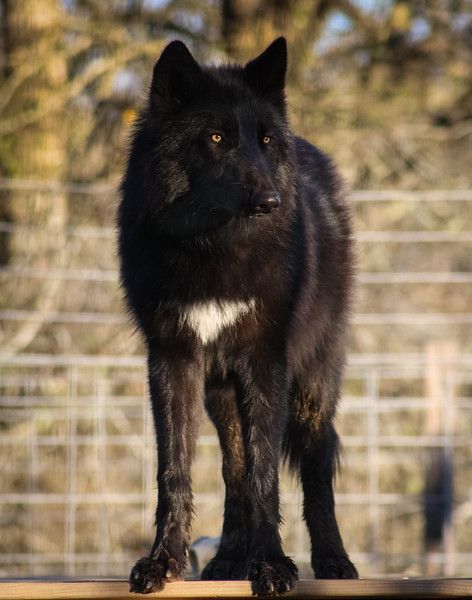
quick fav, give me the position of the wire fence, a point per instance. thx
(82, 459)
(77, 459)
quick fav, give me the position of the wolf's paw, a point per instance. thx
(150, 574)
(272, 577)
(334, 568)
(221, 569)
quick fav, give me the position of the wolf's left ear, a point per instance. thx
(175, 78)
(266, 73)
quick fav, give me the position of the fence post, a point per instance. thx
(438, 490)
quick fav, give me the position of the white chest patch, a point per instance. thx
(207, 319)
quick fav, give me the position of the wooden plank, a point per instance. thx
(28, 589)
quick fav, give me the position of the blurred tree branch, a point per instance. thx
(93, 71)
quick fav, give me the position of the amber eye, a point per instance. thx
(266, 139)
(216, 137)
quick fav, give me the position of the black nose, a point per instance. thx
(264, 203)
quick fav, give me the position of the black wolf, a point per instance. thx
(236, 261)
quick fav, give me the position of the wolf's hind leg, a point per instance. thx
(312, 446)
(230, 562)
(329, 559)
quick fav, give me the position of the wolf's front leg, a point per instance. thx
(264, 415)
(176, 387)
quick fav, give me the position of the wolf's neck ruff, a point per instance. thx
(207, 319)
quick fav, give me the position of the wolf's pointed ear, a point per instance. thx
(175, 77)
(266, 73)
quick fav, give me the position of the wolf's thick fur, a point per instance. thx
(236, 261)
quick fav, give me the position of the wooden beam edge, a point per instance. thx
(28, 589)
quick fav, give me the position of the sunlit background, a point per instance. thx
(385, 87)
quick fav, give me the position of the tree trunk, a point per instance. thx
(33, 35)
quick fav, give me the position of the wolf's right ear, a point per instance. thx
(175, 78)
(266, 73)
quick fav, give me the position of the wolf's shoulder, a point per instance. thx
(316, 168)
(321, 190)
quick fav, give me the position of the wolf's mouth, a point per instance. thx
(256, 215)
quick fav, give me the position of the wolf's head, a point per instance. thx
(214, 146)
